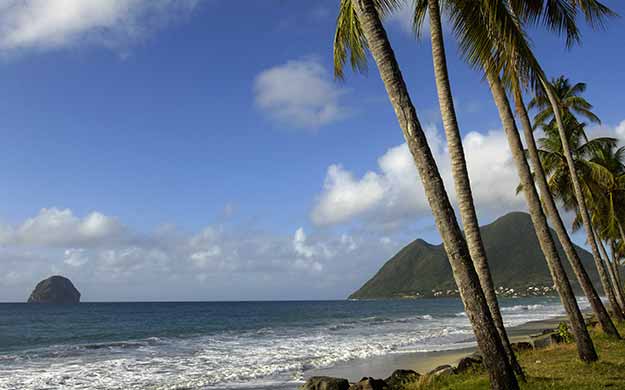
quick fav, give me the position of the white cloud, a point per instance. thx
(47, 24)
(299, 244)
(75, 257)
(56, 227)
(299, 94)
(619, 132)
(404, 16)
(395, 192)
(344, 196)
(111, 261)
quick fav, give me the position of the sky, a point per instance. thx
(202, 150)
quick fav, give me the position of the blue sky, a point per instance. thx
(202, 150)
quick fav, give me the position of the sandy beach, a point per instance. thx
(422, 362)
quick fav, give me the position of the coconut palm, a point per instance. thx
(458, 164)
(359, 27)
(585, 346)
(606, 207)
(459, 169)
(571, 102)
(487, 32)
(559, 16)
(553, 214)
(491, 38)
(560, 113)
(556, 167)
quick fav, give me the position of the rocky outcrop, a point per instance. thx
(55, 289)
(369, 384)
(325, 383)
(400, 378)
(443, 370)
(468, 363)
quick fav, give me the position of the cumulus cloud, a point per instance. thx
(75, 257)
(111, 261)
(47, 24)
(59, 228)
(299, 94)
(394, 191)
(344, 196)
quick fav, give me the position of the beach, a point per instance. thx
(423, 362)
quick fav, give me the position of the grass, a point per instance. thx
(555, 367)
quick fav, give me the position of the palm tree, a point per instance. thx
(491, 38)
(570, 101)
(585, 346)
(606, 207)
(560, 111)
(556, 166)
(362, 16)
(459, 169)
(616, 256)
(553, 214)
(487, 34)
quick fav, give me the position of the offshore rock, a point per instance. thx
(55, 289)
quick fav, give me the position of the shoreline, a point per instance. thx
(422, 362)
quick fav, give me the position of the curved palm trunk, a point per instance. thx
(617, 291)
(616, 258)
(585, 347)
(551, 210)
(581, 205)
(461, 179)
(614, 273)
(495, 358)
(615, 266)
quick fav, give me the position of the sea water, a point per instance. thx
(223, 345)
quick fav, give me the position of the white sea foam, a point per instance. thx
(261, 358)
(518, 308)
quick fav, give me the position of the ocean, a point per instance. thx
(223, 345)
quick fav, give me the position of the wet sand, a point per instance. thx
(422, 362)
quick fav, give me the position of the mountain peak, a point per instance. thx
(516, 261)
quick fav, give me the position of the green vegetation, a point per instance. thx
(515, 260)
(555, 367)
(563, 332)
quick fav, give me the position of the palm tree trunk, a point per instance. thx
(616, 257)
(581, 204)
(461, 179)
(476, 307)
(585, 347)
(551, 210)
(615, 266)
(615, 286)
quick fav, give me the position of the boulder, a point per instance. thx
(55, 289)
(477, 356)
(521, 346)
(443, 370)
(400, 378)
(369, 384)
(467, 363)
(325, 383)
(547, 340)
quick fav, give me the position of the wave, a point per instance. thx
(259, 358)
(521, 308)
(214, 361)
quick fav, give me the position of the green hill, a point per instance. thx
(517, 264)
